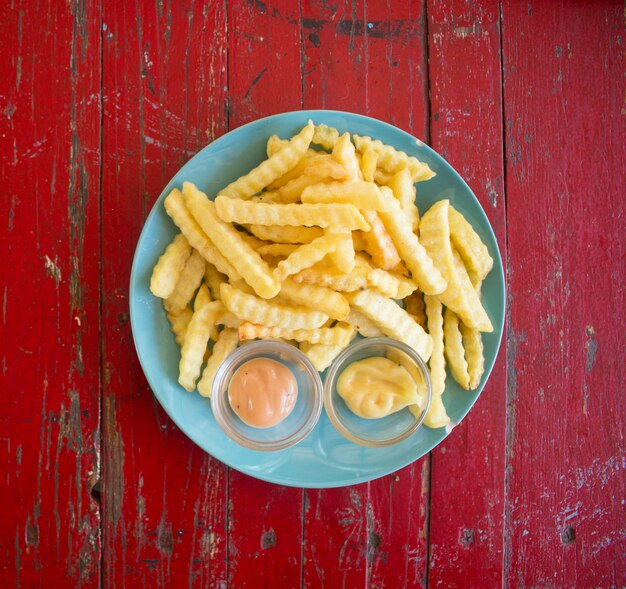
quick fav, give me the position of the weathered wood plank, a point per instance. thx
(265, 521)
(164, 498)
(564, 91)
(368, 59)
(467, 481)
(49, 277)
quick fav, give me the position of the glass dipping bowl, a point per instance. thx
(384, 431)
(297, 425)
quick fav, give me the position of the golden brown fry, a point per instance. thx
(390, 284)
(286, 234)
(325, 274)
(378, 243)
(459, 294)
(437, 416)
(321, 215)
(214, 278)
(474, 354)
(272, 168)
(344, 154)
(466, 241)
(325, 136)
(179, 321)
(307, 254)
(404, 190)
(321, 355)
(277, 249)
(339, 335)
(225, 345)
(417, 260)
(253, 269)
(392, 320)
(167, 270)
(195, 344)
(321, 298)
(363, 195)
(198, 239)
(453, 347)
(366, 327)
(369, 158)
(275, 144)
(437, 362)
(270, 313)
(392, 160)
(188, 282)
(343, 256)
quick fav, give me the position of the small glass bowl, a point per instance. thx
(297, 425)
(385, 431)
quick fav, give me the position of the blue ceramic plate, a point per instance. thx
(324, 458)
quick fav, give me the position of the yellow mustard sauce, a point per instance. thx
(377, 387)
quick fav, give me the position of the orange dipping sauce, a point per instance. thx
(262, 392)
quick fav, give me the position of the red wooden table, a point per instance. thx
(101, 102)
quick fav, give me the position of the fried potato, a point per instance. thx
(308, 254)
(403, 189)
(472, 250)
(203, 296)
(307, 160)
(256, 310)
(277, 249)
(437, 362)
(188, 282)
(321, 215)
(369, 158)
(453, 348)
(179, 321)
(392, 320)
(414, 306)
(321, 355)
(317, 297)
(437, 415)
(344, 154)
(225, 345)
(343, 256)
(474, 354)
(195, 344)
(363, 195)
(286, 234)
(423, 271)
(198, 239)
(339, 335)
(171, 263)
(213, 279)
(378, 243)
(272, 168)
(253, 269)
(390, 284)
(325, 136)
(459, 294)
(366, 327)
(324, 274)
(275, 144)
(392, 160)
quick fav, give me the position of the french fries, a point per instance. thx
(168, 268)
(316, 244)
(321, 215)
(272, 168)
(253, 269)
(459, 294)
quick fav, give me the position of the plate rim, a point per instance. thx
(281, 480)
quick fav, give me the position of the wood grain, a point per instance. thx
(165, 501)
(564, 91)
(49, 277)
(467, 485)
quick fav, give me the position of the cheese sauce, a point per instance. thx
(263, 392)
(376, 387)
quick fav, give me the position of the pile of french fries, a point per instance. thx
(319, 242)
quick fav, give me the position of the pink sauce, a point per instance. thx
(263, 392)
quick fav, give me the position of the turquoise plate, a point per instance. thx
(324, 458)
